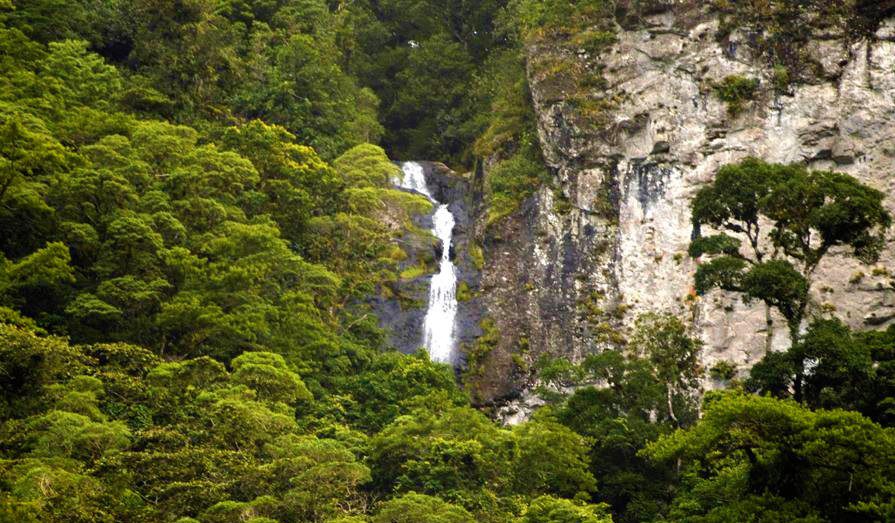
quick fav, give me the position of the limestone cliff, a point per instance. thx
(628, 155)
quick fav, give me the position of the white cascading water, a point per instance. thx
(414, 179)
(438, 327)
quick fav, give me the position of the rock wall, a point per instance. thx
(570, 282)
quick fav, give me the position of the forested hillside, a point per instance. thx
(197, 208)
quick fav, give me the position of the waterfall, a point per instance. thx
(438, 326)
(414, 179)
(439, 323)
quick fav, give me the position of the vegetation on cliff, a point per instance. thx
(190, 225)
(790, 218)
(193, 216)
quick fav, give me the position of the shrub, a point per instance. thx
(736, 91)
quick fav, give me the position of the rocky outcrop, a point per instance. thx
(569, 279)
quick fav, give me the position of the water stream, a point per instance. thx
(439, 323)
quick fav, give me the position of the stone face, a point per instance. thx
(564, 283)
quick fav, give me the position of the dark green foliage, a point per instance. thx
(423, 59)
(725, 273)
(756, 457)
(782, 28)
(736, 92)
(716, 244)
(833, 367)
(723, 371)
(810, 212)
(392, 384)
(779, 285)
(642, 395)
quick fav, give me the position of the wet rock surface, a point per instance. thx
(402, 313)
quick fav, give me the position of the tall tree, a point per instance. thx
(789, 218)
(762, 459)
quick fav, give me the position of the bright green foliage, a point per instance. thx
(455, 452)
(764, 458)
(810, 213)
(460, 455)
(205, 439)
(418, 508)
(269, 375)
(551, 459)
(141, 233)
(193, 241)
(366, 165)
(297, 183)
(318, 476)
(547, 509)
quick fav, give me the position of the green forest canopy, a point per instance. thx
(189, 193)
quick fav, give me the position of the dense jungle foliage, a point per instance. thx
(192, 196)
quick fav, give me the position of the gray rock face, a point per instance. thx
(569, 283)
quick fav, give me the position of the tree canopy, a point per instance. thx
(775, 224)
(196, 213)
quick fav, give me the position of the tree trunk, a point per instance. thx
(670, 406)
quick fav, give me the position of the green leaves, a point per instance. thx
(460, 455)
(778, 284)
(832, 367)
(732, 201)
(267, 374)
(45, 268)
(418, 508)
(787, 458)
(548, 509)
(318, 476)
(85, 77)
(551, 460)
(715, 245)
(366, 165)
(809, 213)
(736, 91)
